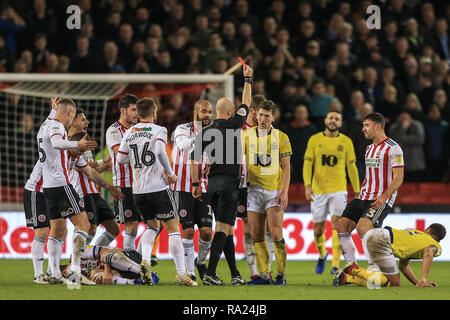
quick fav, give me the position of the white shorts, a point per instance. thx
(333, 203)
(380, 250)
(259, 199)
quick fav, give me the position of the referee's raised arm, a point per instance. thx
(239, 119)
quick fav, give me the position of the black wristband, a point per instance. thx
(248, 79)
(195, 184)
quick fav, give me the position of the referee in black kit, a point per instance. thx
(222, 144)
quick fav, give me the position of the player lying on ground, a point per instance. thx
(111, 266)
(385, 244)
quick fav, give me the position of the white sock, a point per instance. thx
(177, 252)
(119, 280)
(121, 262)
(250, 254)
(37, 252)
(104, 239)
(147, 240)
(54, 256)
(347, 246)
(188, 245)
(139, 248)
(78, 245)
(89, 239)
(269, 241)
(129, 240)
(203, 249)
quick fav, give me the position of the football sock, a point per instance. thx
(281, 256)
(262, 256)
(269, 242)
(129, 240)
(89, 239)
(336, 246)
(37, 252)
(121, 262)
(250, 254)
(355, 280)
(155, 246)
(177, 252)
(78, 246)
(320, 244)
(373, 276)
(188, 245)
(104, 239)
(147, 240)
(203, 248)
(347, 246)
(229, 252)
(217, 245)
(54, 255)
(119, 280)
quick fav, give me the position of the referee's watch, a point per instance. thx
(195, 184)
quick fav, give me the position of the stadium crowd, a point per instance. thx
(309, 56)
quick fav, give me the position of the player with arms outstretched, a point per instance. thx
(328, 155)
(144, 147)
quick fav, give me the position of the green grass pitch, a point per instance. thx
(302, 284)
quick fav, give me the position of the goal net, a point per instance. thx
(25, 103)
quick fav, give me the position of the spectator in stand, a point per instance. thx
(353, 111)
(20, 66)
(388, 78)
(277, 10)
(201, 33)
(7, 58)
(354, 132)
(267, 41)
(339, 81)
(63, 64)
(289, 100)
(440, 40)
(10, 24)
(398, 58)
(51, 64)
(415, 37)
(440, 67)
(410, 135)
(83, 61)
(436, 145)
(389, 37)
(142, 23)
(139, 63)
(216, 50)
(243, 16)
(413, 106)
(27, 56)
(274, 82)
(111, 63)
(177, 20)
(24, 146)
(112, 26)
(164, 63)
(307, 33)
(313, 56)
(299, 132)
(426, 93)
(371, 90)
(389, 106)
(214, 18)
(344, 58)
(440, 100)
(125, 42)
(318, 103)
(178, 54)
(410, 75)
(40, 50)
(87, 29)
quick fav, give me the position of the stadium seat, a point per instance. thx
(432, 189)
(407, 189)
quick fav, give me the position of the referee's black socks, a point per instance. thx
(229, 255)
(217, 246)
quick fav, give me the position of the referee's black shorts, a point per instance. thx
(223, 196)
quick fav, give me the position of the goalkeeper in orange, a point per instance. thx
(328, 154)
(386, 244)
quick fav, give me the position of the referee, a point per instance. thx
(222, 144)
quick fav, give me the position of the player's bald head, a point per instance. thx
(224, 105)
(65, 105)
(202, 104)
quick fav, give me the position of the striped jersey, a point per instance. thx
(35, 181)
(88, 186)
(55, 161)
(122, 174)
(243, 170)
(139, 144)
(74, 175)
(380, 160)
(184, 136)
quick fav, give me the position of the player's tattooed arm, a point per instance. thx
(98, 179)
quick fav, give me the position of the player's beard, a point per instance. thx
(336, 128)
(206, 122)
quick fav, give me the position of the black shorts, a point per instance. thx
(126, 209)
(159, 205)
(35, 209)
(358, 209)
(242, 203)
(97, 209)
(192, 211)
(63, 202)
(223, 196)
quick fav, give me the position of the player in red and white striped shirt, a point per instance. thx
(97, 209)
(192, 211)
(384, 175)
(122, 174)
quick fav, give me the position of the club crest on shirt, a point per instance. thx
(340, 148)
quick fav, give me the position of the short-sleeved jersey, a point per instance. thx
(55, 162)
(263, 156)
(410, 244)
(122, 174)
(181, 160)
(139, 144)
(35, 181)
(74, 177)
(88, 186)
(326, 160)
(380, 161)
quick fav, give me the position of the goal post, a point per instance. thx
(25, 103)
